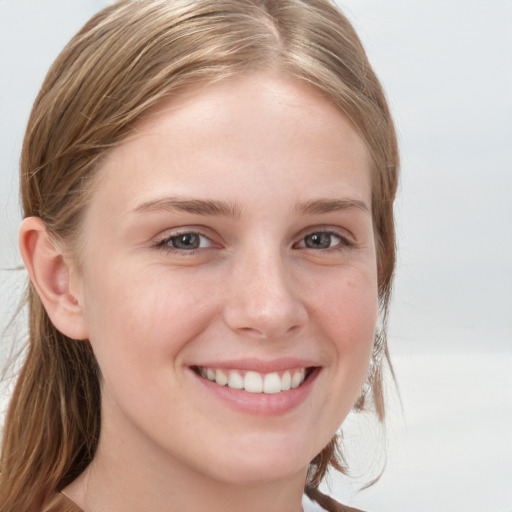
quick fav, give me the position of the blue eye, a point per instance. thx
(323, 240)
(186, 241)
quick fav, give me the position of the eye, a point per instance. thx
(323, 240)
(189, 241)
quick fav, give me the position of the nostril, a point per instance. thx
(251, 331)
(268, 332)
(293, 329)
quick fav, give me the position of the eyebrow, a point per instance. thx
(197, 206)
(330, 205)
(217, 208)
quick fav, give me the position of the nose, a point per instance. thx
(264, 300)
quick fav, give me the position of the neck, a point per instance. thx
(117, 491)
(128, 476)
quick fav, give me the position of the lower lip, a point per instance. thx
(264, 404)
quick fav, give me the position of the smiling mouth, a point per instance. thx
(256, 382)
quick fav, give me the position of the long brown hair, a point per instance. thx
(124, 61)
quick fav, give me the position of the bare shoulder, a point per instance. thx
(328, 503)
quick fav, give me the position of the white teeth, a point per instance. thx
(271, 383)
(221, 378)
(255, 382)
(236, 381)
(298, 378)
(286, 382)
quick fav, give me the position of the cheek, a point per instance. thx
(349, 309)
(348, 314)
(137, 320)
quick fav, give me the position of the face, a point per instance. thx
(229, 279)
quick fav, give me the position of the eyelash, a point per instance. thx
(164, 244)
(343, 242)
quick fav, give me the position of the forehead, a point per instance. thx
(262, 125)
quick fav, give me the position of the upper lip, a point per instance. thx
(259, 365)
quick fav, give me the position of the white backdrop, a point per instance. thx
(447, 69)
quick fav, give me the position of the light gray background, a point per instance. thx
(447, 69)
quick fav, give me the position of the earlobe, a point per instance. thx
(50, 273)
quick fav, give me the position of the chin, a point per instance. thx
(255, 474)
(265, 462)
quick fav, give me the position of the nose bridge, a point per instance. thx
(263, 299)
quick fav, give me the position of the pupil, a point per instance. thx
(186, 241)
(318, 240)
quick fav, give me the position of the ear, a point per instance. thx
(50, 273)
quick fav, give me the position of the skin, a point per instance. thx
(262, 144)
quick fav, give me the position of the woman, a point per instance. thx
(207, 191)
